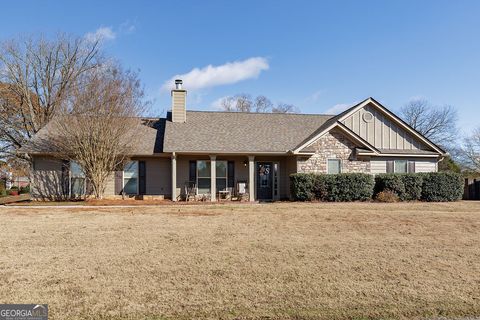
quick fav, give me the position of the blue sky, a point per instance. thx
(318, 55)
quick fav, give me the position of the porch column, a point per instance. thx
(174, 177)
(213, 178)
(251, 178)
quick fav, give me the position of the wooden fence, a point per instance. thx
(471, 190)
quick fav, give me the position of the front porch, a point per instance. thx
(216, 177)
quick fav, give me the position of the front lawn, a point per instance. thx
(237, 261)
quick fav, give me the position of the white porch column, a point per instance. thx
(213, 177)
(251, 178)
(174, 177)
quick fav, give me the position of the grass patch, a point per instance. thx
(236, 261)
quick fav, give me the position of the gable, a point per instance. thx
(337, 138)
(382, 131)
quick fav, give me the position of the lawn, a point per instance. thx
(264, 261)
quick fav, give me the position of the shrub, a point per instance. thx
(3, 190)
(442, 186)
(334, 187)
(25, 189)
(413, 186)
(390, 182)
(387, 196)
(301, 185)
(348, 187)
(407, 186)
(14, 188)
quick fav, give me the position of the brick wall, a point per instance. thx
(333, 145)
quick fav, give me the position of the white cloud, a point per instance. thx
(336, 109)
(212, 76)
(101, 34)
(217, 104)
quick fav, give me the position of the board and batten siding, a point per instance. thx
(382, 132)
(379, 165)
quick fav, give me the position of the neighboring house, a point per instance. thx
(217, 150)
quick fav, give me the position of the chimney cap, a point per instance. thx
(178, 84)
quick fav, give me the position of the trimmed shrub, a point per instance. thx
(413, 186)
(387, 196)
(348, 187)
(442, 186)
(390, 182)
(332, 187)
(407, 186)
(301, 186)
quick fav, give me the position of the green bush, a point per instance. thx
(390, 182)
(407, 186)
(348, 187)
(14, 188)
(442, 186)
(301, 186)
(413, 186)
(334, 187)
(25, 189)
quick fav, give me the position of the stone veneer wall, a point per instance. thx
(333, 145)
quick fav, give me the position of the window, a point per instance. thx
(130, 178)
(400, 166)
(221, 173)
(204, 176)
(333, 166)
(77, 179)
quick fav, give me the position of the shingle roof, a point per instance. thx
(207, 131)
(149, 135)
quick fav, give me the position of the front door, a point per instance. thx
(264, 181)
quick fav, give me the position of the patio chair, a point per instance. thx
(191, 191)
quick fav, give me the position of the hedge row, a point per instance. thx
(334, 187)
(434, 186)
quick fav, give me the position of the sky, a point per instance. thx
(321, 56)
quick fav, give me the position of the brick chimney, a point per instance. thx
(179, 102)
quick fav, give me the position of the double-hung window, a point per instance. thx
(77, 180)
(204, 175)
(130, 177)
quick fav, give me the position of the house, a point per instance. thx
(217, 151)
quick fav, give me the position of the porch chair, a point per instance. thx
(191, 191)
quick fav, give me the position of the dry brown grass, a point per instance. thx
(269, 261)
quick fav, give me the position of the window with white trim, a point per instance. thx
(204, 176)
(334, 166)
(130, 178)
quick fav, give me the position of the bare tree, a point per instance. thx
(470, 152)
(285, 108)
(243, 103)
(438, 124)
(262, 104)
(98, 124)
(36, 76)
